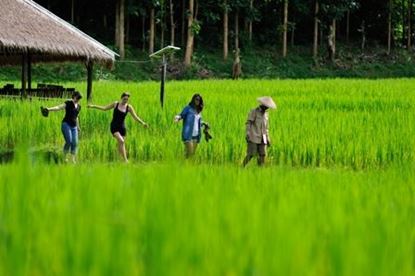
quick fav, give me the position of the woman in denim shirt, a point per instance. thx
(192, 123)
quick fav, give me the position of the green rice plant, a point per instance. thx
(186, 219)
(318, 123)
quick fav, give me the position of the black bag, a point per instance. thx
(206, 133)
(45, 111)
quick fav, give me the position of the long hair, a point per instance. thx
(193, 104)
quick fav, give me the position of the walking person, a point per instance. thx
(257, 133)
(192, 123)
(117, 127)
(70, 124)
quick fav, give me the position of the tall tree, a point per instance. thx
(183, 27)
(119, 26)
(330, 12)
(121, 30)
(117, 23)
(285, 29)
(409, 28)
(72, 12)
(225, 29)
(316, 29)
(250, 19)
(172, 24)
(152, 30)
(162, 20)
(237, 29)
(390, 26)
(193, 28)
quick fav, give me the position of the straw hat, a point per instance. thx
(268, 102)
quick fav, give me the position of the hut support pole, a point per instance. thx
(29, 72)
(89, 68)
(24, 75)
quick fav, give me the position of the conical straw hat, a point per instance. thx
(268, 102)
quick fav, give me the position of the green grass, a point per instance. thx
(336, 198)
(319, 123)
(157, 219)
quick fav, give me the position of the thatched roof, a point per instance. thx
(26, 27)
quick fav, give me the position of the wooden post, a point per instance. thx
(24, 75)
(89, 68)
(29, 71)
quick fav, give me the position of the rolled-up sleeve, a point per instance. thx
(184, 112)
(249, 121)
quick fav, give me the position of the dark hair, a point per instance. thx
(125, 94)
(192, 103)
(76, 95)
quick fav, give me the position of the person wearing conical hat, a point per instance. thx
(257, 133)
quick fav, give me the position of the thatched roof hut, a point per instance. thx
(30, 33)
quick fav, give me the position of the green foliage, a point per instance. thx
(171, 219)
(304, 214)
(333, 123)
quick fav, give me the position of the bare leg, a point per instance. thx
(194, 148)
(188, 148)
(121, 146)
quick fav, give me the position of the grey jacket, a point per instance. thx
(257, 126)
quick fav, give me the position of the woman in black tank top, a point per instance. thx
(70, 124)
(117, 127)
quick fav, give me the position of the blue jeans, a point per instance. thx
(71, 138)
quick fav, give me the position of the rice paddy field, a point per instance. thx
(337, 195)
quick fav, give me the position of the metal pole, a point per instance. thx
(163, 79)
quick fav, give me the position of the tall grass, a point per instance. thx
(157, 219)
(208, 216)
(353, 123)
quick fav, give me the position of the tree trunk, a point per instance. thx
(285, 28)
(190, 35)
(162, 35)
(251, 6)
(347, 26)
(236, 30)
(73, 12)
(409, 35)
(121, 31)
(172, 24)
(117, 24)
(403, 23)
(315, 42)
(225, 31)
(292, 35)
(127, 30)
(390, 26)
(143, 32)
(162, 23)
(152, 32)
(183, 35)
(363, 31)
(331, 41)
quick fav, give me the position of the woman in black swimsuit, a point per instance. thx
(118, 130)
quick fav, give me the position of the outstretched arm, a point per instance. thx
(103, 108)
(134, 114)
(180, 116)
(57, 108)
